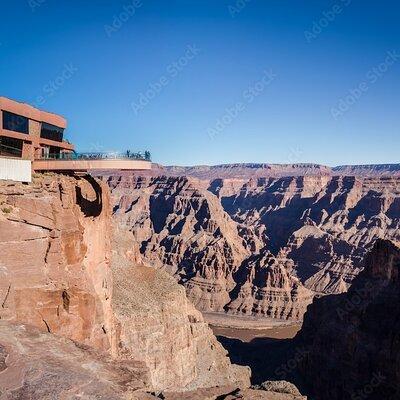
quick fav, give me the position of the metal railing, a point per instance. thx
(143, 156)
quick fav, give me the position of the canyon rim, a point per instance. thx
(199, 200)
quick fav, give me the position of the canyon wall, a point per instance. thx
(54, 250)
(259, 246)
(350, 341)
(65, 270)
(156, 323)
(36, 365)
(266, 170)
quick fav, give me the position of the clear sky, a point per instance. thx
(212, 81)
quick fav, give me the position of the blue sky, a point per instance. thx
(211, 82)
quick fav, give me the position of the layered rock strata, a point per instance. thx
(54, 258)
(156, 323)
(181, 226)
(59, 273)
(262, 246)
(38, 365)
(354, 336)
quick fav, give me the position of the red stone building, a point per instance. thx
(29, 133)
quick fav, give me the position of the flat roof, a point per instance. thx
(28, 111)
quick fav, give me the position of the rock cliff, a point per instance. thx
(54, 258)
(354, 336)
(264, 170)
(66, 271)
(37, 365)
(156, 323)
(325, 225)
(259, 246)
(182, 227)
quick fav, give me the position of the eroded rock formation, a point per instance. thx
(37, 365)
(60, 274)
(156, 323)
(181, 226)
(259, 246)
(325, 225)
(354, 337)
(54, 271)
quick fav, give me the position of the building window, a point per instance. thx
(51, 132)
(10, 147)
(15, 123)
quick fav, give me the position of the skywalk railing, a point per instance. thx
(144, 156)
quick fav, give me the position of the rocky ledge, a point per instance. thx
(37, 365)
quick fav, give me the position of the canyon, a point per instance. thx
(258, 239)
(66, 272)
(103, 283)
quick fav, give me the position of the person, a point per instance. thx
(128, 152)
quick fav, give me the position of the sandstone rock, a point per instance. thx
(280, 387)
(157, 324)
(54, 267)
(243, 171)
(181, 227)
(38, 365)
(354, 336)
(58, 273)
(324, 224)
(259, 246)
(270, 290)
(263, 170)
(231, 394)
(368, 170)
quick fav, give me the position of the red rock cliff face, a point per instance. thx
(65, 270)
(351, 340)
(54, 258)
(156, 323)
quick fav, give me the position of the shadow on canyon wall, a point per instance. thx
(269, 359)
